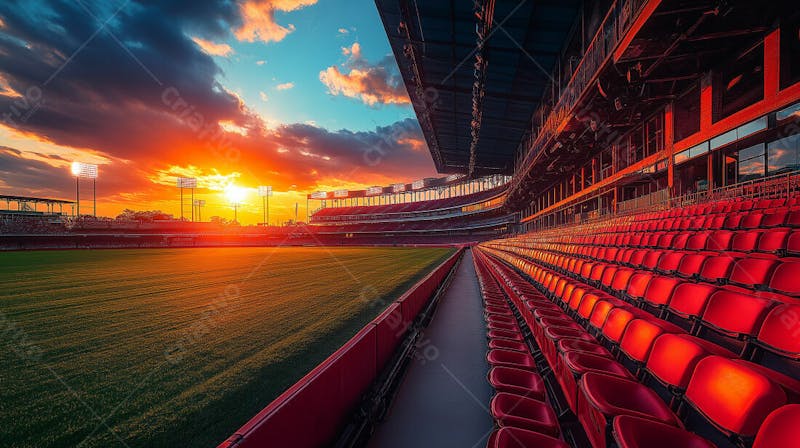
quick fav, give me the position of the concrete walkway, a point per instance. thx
(444, 398)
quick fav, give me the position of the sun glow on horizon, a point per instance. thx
(235, 194)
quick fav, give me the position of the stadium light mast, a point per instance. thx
(187, 182)
(265, 191)
(199, 203)
(84, 171)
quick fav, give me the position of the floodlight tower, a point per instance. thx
(84, 171)
(190, 183)
(265, 191)
(199, 203)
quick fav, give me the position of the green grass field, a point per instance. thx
(175, 347)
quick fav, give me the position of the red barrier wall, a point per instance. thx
(313, 411)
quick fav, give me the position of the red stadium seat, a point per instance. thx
(510, 410)
(786, 278)
(689, 300)
(637, 286)
(751, 272)
(604, 397)
(781, 429)
(517, 381)
(674, 356)
(615, 324)
(780, 332)
(669, 263)
(638, 339)
(508, 344)
(576, 363)
(691, 264)
(716, 269)
(637, 432)
(735, 313)
(509, 437)
(659, 291)
(510, 358)
(733, 397)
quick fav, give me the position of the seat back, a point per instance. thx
(751, 272)
(736, 313)
(733, 397)
(660, 289)
(691, 299)
(616, 322)
(716, 269)
(780, 332)
(786, 278)
(781, 429)
(638, 338)
(674, 356)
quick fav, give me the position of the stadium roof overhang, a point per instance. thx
(474, 102)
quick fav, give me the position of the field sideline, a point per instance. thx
(175, 347)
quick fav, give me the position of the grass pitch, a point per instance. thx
(175, 347)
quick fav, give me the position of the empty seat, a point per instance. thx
(615, 324)
(638, 339)
(637, 432)
(509, 437)
(526, 413)
(505, 334)
(637, 286)
(576, 363)
(781, 429)
(720, 240)
(660, 289)
(751, 272)
(697, 241)
(774, 218)
(773, 241)
(745, 241)
(786, 278)
(604, 397)
(510, 358)
(689, 300)
(780, 331)
(736, 314)
(673, 358)
(508, 344)
(716, 269)
(517, 381)
(733, 397)
(691, 264)
(669, 262)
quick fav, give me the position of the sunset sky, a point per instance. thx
(303, 95)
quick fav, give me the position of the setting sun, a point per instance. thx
(235, 194)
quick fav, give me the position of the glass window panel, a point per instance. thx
(752, 127)
(782, 155)
(793, 110)
(723, 139)
(751, 163)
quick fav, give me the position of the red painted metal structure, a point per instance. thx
(313, 411)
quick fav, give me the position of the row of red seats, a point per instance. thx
(520, 406)
(723, 206)
(587, 337)
(754, 323)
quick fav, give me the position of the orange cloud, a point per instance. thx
(212, 48)
(372, 84)
(258, 19)
(285, 86)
